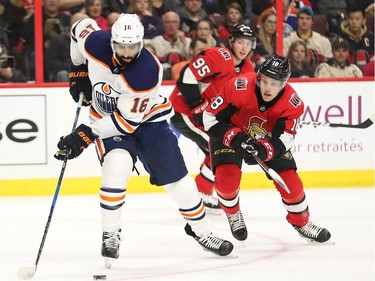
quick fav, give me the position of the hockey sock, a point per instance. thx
(205, 179)
(116, 170)
(295, 203)
(227, 183)
(185, 194)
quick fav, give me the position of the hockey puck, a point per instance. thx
(100, 277)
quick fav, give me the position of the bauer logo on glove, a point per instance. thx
(75, 143)
(79, 81)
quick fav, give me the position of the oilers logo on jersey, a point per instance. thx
(106, 97)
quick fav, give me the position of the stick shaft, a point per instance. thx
(270, 172)
(367, 123)
(57, 190)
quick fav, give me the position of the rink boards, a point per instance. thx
(33, 119)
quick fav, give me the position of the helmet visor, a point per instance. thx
(126, 50)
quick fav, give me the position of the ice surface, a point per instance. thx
(155, 246)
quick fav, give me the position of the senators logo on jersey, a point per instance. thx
(256, 130)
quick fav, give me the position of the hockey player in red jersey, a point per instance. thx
(198, 84)
(121, 82)
(261, 111)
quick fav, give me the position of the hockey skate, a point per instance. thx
(314, 234)
(111, 246)
(237, 226)
(211, 203)
(211, 243)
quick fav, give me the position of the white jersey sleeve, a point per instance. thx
(79, 32)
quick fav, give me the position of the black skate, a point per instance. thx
(111, 246)
(237, 226)
(211, 243)
(314, 234)
(211, 203)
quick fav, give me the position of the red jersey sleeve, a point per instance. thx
(211, 63)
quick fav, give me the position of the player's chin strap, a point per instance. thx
(275, 176)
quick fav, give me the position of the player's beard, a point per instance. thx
(124, 63)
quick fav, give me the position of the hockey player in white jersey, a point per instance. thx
(121, 82)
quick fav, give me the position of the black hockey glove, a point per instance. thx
(198, 109)
(76, 142)
(79, 82)
(251, 148)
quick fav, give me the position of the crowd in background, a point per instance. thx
(322, 38)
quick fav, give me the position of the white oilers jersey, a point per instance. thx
(122, 98)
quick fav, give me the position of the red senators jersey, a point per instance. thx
(239, 107)
(210, 70)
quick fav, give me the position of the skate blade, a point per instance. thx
(327, 243)
(239, 244)
(232, 255)
(108, 262)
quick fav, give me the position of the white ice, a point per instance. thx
(155, 246)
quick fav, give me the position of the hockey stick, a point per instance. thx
(27, 272)
(275, 176)
(367, 123)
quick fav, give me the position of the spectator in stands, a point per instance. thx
(118, 6)
(73, 5)
(338, 65)
(290, 16)
(368, 70)
(54, 23)
(233, 16)
(312, 39)
(197, 45)
(8, 72)
(266, 38)
(57, 55)
(3, 33)
(217, 7)
(111, 18)
(94, 9)
(172, 46)
(361, 41)
(258, 6)
(366, 5)
(150, 48)
(326, 7)
(153, 25)
(300, 60)
(160, 7)
(191, 12)
(28, 6)
(205, 29)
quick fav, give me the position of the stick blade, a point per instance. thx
(372, 118)
(26, 272)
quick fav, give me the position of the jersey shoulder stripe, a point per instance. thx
(123, 125)
(159, 110)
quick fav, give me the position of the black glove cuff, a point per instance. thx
(239, 139)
